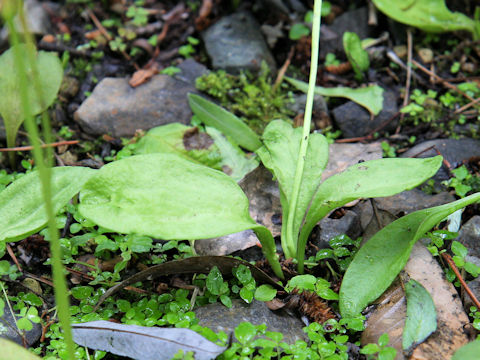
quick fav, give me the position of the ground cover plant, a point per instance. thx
(137, 198)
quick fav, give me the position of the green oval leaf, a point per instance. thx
(468, 352)
(427, 15)
(11, 350)
(22, 209)
(265, 292)
(421, 318)
(50, 74)
(215, 116)
(165, 196)
(378, 262)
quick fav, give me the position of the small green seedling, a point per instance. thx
(356, 55)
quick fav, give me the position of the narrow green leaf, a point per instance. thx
(370, 97)
(378, 262)
(427, 15)
(421, 318)
(184, 141)
(375, 178)
(356, 55)
(234, 161)
(22, 209)
(50, 74)
(468, 352)
(215, 116)
(279, 154)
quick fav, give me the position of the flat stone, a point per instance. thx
(236, 43)
(355, 121)
(38, 21)
(117, 109)
(331, 37)
(220, 318)
(190, 71)
(469, 235)
(403, 203)
(349, 224)
(8, 329)
(452, 150)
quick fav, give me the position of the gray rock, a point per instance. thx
(8, 329)
(469, 235)
(452, 150)
(38, 21)
(117, 109)
(349, 224)
(355, 121)
(331, 37)
(191, 70)
(264, 199)
(220, 318)
(235, 43)
(299, 101)
(403, 203)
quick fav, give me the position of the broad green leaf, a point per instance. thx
(370, 97)
(22, 209)
(11, 350)
(234, 161)
(356, 55)
(265, 292)
(375, 178)
(421, 318)
(215, 116)
(166, 197)
(50, 74)
(184, 141)
(379, 261)
(468, 352)
(279, 154)
(428, 15)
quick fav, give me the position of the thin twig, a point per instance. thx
(450, 262)
(441, 80)
(467, 106)
(14, 258)
(283, 69)
(105, 33)
(43, 146)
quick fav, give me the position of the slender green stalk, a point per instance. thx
(291, 240)
(61, 291)
(269, 249)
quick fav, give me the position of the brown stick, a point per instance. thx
(408, 80)
(450, 262)
(14, 258)
(283, 69)
(467, 106)
(43, 146)
(442, 81)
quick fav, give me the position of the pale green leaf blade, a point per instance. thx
(379, 261)
(182, 140)
(356, 55)
(234, 161)
(166, 197)
(215, 116)
(11, 350)
(370, 97)
(50, 74)
(279, 154)
(427, 15)
(468, 352)
(421, 318)
(374, 178)
(22, 209)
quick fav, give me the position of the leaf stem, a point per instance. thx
(291, 238)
